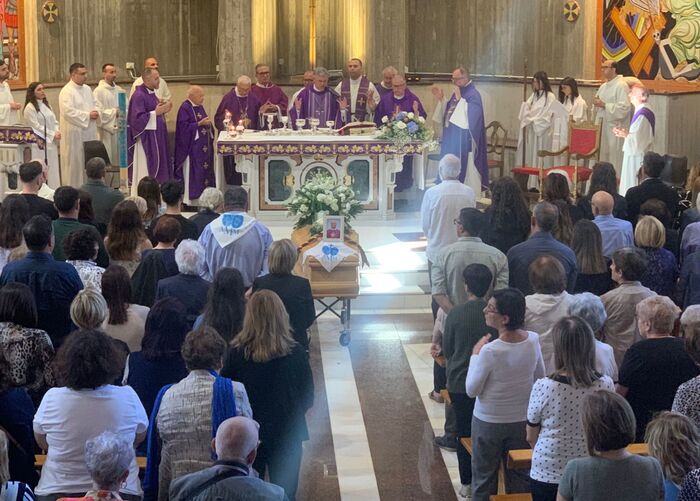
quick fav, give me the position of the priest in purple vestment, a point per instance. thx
(271, 96)
(194, 149)
(359, 92)
(318, 101)
(244, 108)
(385, 86)
(400, 99)
(460, 142)
(147, 133)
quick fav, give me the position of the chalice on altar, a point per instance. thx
(300, 123)
(284, 120)
(314, 123)
(331, 125)
(270, 117)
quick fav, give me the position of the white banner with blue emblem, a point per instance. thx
(231, 226)
(329, 254)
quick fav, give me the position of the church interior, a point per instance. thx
(377, 406)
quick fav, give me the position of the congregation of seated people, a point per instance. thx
(113, 345)
(593, 345)
(570, 327)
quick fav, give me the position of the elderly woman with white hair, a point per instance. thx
(108, 458)
(590, 308)
(211, 204)
(655, 367)
(187, 286)
(687, 400)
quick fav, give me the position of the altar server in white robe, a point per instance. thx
(107, 100)
(78, 123)
(637, 140)
(40, 117)
(9, 115)
(9, 109)
(162, 92)
(613, 108)
(568, 96)
(536, 120)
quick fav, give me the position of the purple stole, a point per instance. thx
(361, 103)
(648, 114)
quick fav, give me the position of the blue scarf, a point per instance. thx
(223, 406)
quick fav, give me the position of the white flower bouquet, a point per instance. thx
(319, 197)
(406, 127)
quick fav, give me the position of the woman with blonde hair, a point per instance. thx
(674, 441)
(211, 204)
(662, 267)
(276, 373)
(89, 309)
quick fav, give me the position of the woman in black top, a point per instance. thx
(294, 291)
(603, 178)
(211, 202)
(276, 373)
(593, 269)
(507, 219)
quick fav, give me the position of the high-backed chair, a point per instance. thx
(583, 145)
(96, 149)
(497, 136)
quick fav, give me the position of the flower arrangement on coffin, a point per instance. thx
(406, 127)
(321, 196)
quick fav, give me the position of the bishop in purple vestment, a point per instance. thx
(244, 107)
(317, 101)
(385, 86)
(194, 150)
(459, 141)
(147, 133)
(271, 96)
(400, 99)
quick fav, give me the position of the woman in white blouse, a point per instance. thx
(554, 426)
(39, 116)
(572, 101)
(500, 377)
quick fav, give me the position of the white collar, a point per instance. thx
(264, 86)
(238, 95)
(397, 97)
(356, 80)
(319, 90)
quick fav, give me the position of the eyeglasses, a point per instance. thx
(490, 309)
(456, 221)
(263, 72)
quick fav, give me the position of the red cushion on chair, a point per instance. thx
(582, 141)
(528, 171)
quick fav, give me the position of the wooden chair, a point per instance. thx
(583, 145)
(467, 443)
(520, 459)
(496, 146)
(511, 497)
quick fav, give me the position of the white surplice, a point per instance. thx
(36, 121)
(536, 125)
(577, 109)
(9, 157)
(460, 118)
(107, 100)
(615, 114)
(639, 140)
(162, 92)
(140, 165)
(75, 104)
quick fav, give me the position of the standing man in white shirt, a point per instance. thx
(613, 109)
(358, 92)
(162, 92)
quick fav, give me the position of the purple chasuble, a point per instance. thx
(648, 114)
(388, 104)
(241, 108)
(382, 90)
(459, 141)
(317, 104)
(387, 107)
(154, 142)
(361, 103)
(272, 93)
(195, 142)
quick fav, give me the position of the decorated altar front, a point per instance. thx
(275, 166)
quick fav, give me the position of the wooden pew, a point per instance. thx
(511, 497)
(519, 459)
(467, 443)
(40, 459)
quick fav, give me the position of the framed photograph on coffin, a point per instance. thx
(333, 229)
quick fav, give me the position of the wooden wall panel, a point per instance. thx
(180, 33)
(494, 37)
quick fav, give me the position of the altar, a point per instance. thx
(274, 166)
